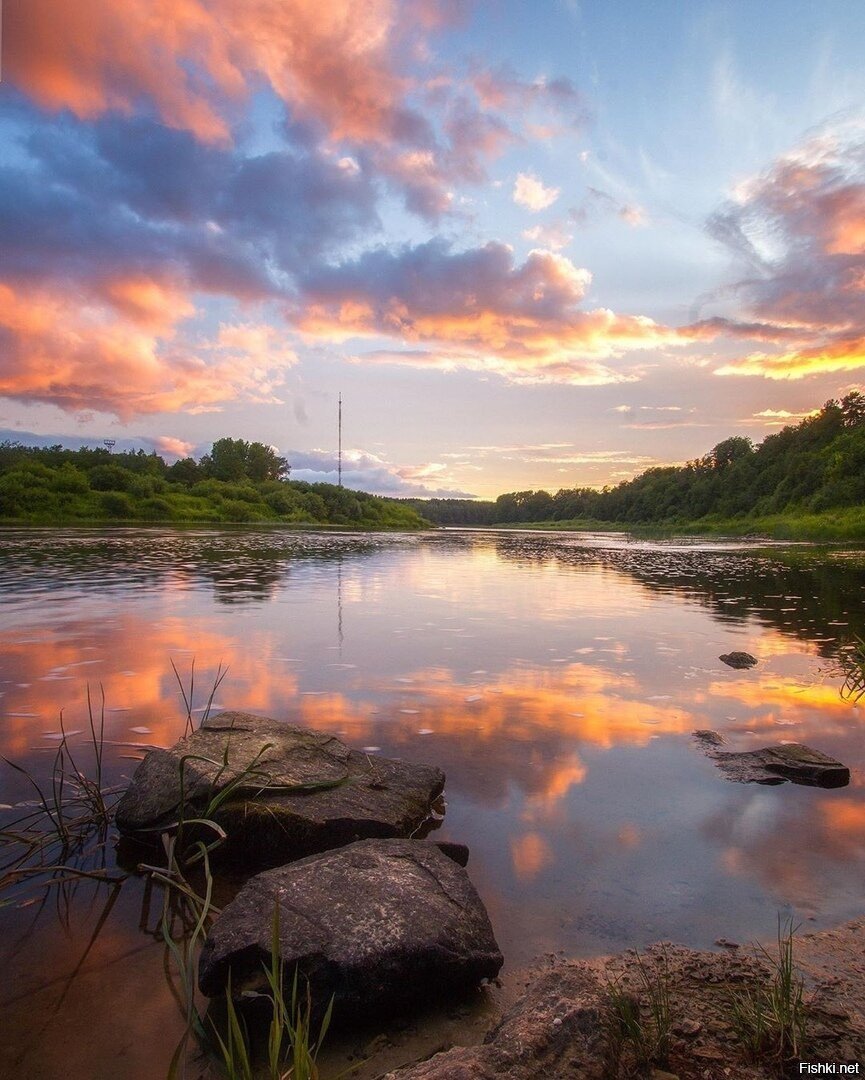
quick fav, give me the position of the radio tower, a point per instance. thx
(339, 457)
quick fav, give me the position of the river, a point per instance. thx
(556, 678)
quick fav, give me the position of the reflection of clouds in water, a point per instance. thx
(130, 659)
(814, 709)
(559, 697)
(530, 854)
(794, 847)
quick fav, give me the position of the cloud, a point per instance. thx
(115, 234)
(633, 215)
(134, 198)
(554, 236)
(563, 454)
(194, 62)
(476, 310)
(843, 354)
(599, 204)
(781, 417)
(84, 355)
(169, 446)
(800, 230)
(366, 471)
(165, 445)
(532, 194)
(359, 76)
(547, 107)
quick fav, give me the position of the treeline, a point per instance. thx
(807, 468)
(238, 481)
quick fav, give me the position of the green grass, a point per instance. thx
(639, 1024)
(772, 1018)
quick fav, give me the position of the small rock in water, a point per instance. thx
(738, 660)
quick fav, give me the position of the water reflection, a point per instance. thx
(556, 682)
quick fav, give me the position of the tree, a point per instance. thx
(728, 451)
(236, 459)
(853, 408)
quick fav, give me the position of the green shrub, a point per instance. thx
(70, 480)
(111, 478)
(116, 504)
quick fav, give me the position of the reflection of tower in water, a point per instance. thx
(339, 604)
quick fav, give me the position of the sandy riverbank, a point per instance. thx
(525, 1041)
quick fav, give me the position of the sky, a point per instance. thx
(533, 245)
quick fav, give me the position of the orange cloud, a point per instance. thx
(168, 444)
(195, 60)
(81, 353)
(478, 310)
(842, 355)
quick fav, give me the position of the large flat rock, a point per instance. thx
(376, 924)
(283, 792)
(775, 764)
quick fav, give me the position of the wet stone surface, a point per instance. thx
(376, 924)
(775, 764)
(283, 792)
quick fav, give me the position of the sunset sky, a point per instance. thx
(534, 244)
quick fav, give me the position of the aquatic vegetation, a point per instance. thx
(852, 661)
(61, 837)
(188, 694)
(292, 1046)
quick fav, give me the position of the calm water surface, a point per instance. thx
(555, 679)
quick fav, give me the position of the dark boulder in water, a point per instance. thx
(376, 924)
(775, 764)
(280, 792)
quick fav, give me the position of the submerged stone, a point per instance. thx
(739, 660)
(775, 764)
(376, 924)
(279, 791)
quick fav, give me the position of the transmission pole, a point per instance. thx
(339, 458)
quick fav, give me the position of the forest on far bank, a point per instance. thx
(814, 466)
(238, 481)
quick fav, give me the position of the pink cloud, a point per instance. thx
(173, 447)
(194, 59)
(531, 193)
(352, 73)
(78, 354)
(800, 228)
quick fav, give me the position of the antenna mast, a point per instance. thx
(339, 465)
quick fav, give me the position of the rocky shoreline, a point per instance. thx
(510, 1028)
(388, 926)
